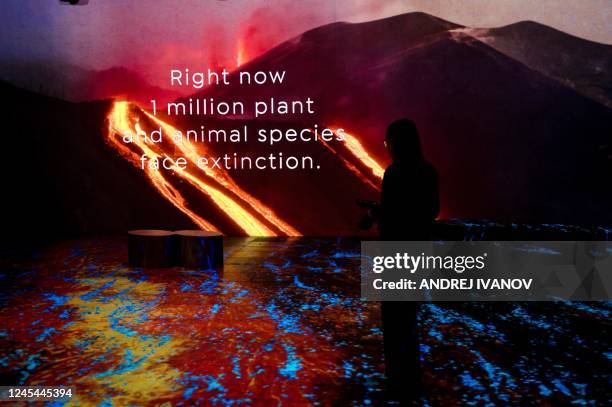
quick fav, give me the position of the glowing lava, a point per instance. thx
(223, 178)
(356, 148)
(124, 119)
(362, 158)
(216, 185)
(241, 57)
(119, 124)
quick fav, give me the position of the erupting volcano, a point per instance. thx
(257, 220)
(473, 104)
(250, 214)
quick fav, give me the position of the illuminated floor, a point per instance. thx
(282, 325)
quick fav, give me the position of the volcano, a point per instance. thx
(510, 142)
(582, 65)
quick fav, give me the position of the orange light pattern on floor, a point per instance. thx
(131, 337)
(282, 325)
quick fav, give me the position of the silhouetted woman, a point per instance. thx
(408, 208)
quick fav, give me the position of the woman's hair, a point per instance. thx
(403, 140)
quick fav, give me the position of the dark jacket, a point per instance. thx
(409, 201)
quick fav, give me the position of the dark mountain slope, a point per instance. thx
(583, 65)
(509, 142)
(62, 179)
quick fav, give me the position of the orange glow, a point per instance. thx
(351, 167)
(227, 195)
(356, 148)
(241, 57)
(119, 125)
(246, 211)
(223, 178)
(358, 152)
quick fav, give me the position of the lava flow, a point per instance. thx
(124, 120)
(246, 211)
(356, 148)
(361, 158)
(119, 124)
(223, 178)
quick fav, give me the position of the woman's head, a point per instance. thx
(402, 141)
